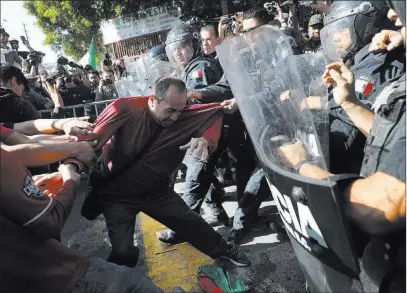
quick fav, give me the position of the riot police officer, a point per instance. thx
(251, 185)
(183, 50)
(375, 202)
(349, 28)
(158, 53)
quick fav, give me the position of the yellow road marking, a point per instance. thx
(170, 266)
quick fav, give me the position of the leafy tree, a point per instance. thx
(66, 30)
(70, 25)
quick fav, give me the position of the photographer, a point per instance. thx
(8, 55)
(106, 90)
(94, 80)
(107, 63)
(119, 68)
(73, 93)
(229, 25)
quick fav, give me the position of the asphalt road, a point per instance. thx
(274, 266)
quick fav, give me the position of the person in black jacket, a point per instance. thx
(13, 108)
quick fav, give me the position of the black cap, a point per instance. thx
(3, 32)
(316, 19)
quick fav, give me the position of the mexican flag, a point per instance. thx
(92, 56)
(89, 57)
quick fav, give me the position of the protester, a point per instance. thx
(33, 212)
(159, 126)
(13, 108)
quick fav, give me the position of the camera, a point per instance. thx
(74, 65)
(229, 20)
(62, 60)
(35, 58)
(107, 61)
(270, 8)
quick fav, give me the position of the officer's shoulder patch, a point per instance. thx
(365, 85)
(31, 190)
(197, 74)
(383, 97)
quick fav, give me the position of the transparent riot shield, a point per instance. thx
(135, 84)
(155, 68)
(310, 68)
(271, 87)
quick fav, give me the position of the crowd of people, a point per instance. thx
(64, 84)
(191, 125)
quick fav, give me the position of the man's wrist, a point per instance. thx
(348, 105)
(55, 123)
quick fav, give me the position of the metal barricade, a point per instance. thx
(88, 109)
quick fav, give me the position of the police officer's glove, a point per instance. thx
(197, 147)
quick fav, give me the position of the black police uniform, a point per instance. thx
(200, 179)
(370, 71)
(250, 182)
(201, 72)
(385, 151)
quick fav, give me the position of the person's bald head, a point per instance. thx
(168, 100)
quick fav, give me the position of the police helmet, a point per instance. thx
(351, 25)
(400, 8)
(182, 45)
(158, 53)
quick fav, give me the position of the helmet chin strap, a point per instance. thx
(348, 57)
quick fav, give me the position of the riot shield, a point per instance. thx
(310, 68)
(271, 92)
(135, 84)
(156, 68)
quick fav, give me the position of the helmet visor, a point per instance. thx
(180, 53)
(339, 38)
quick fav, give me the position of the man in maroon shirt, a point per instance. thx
(162, 122)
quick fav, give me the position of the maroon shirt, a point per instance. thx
(31, 260)
(126, 126)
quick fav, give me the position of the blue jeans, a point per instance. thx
(199, 183)
(200, 174)
(255, 193)
(105, 277)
